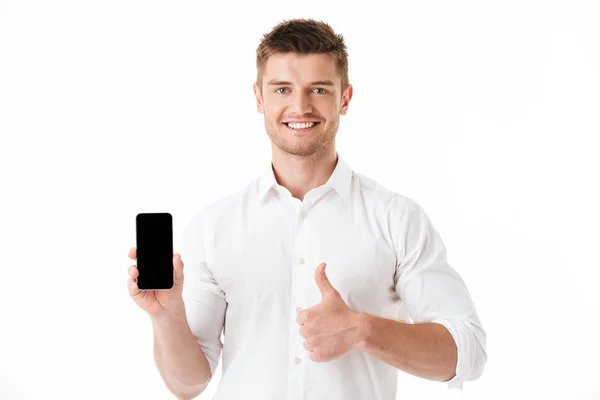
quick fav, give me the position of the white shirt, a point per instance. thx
(249, 264)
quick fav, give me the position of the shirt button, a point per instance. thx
(302, 261)
(302, 214)
(297, 360)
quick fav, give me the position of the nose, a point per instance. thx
(301, 104)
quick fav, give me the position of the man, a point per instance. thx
(323, 282)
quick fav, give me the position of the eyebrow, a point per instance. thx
(274, 82)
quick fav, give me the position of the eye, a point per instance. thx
(278, 90)
(324, 91)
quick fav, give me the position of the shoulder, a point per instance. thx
(394, 203)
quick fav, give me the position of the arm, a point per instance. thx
(425, 350)
(178, 357)
(187, 343)
(434, 294)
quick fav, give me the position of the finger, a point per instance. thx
(133, 287)
(300, 318)
(178, 265)
(177, 262)
(322, 280)
(133, 271)
(133, 253)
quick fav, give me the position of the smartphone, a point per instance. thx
(154, 242)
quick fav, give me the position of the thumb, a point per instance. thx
(323, 281)
(177, 270)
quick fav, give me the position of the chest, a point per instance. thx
(274, 258)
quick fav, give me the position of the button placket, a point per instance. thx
(297, 349)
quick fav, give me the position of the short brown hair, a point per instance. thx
(303, 36)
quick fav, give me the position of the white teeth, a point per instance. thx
(300, 126)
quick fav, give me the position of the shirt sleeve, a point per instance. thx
(204, 300)
(432, 291)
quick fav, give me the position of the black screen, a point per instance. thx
(154, 233)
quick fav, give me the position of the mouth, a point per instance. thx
(300, 128)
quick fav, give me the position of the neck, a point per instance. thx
(301, 173)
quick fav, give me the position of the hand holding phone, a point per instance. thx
(156, 282)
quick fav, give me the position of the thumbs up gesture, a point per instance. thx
(330, 328)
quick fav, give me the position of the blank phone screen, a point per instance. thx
(154, 234)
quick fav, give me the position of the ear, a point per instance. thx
(346, 97)
(258, 96)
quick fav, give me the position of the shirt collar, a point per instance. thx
(340, 180)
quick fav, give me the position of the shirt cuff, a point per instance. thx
(462, 364)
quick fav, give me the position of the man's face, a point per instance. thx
(301, 88)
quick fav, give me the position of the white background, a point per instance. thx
(485, 113)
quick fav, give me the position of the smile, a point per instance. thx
(300, 128)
